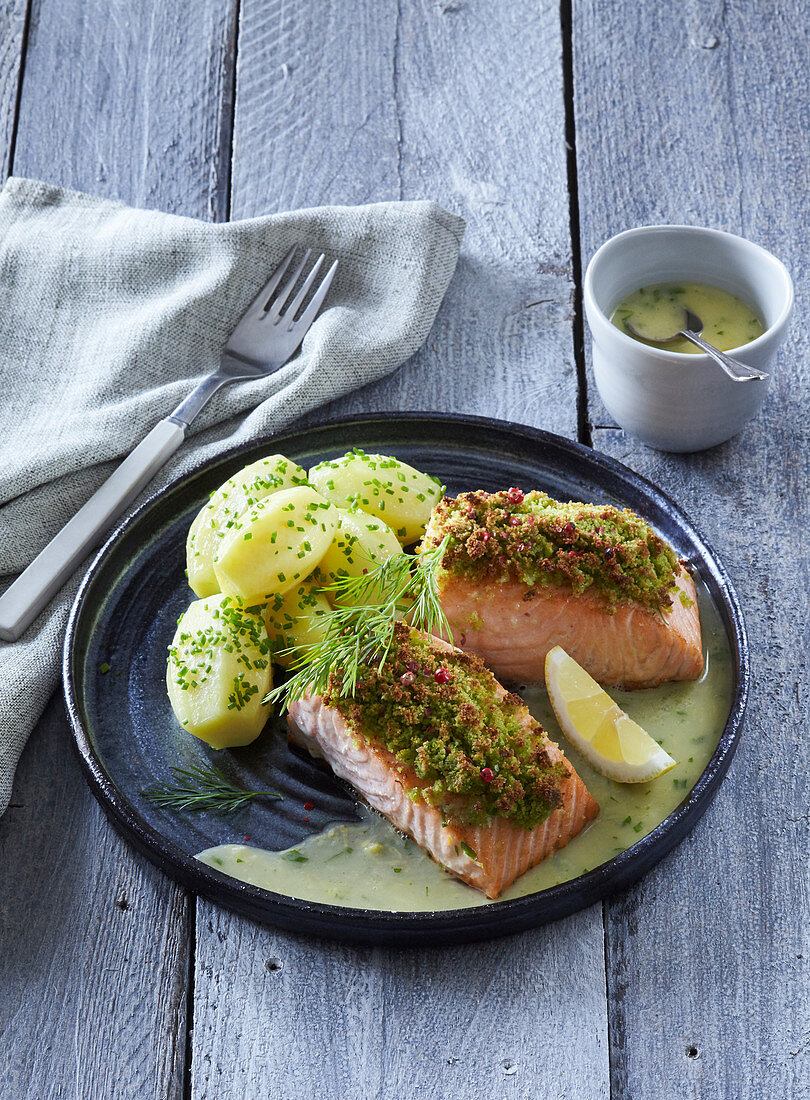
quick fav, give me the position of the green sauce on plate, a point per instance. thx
(371, 866)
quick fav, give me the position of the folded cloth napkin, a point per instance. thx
(109, 316)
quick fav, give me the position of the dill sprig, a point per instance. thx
(403, 587)
(203, 787)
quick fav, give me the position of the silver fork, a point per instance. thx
(265, 338)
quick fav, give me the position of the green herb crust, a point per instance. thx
(540, 541)
(453, 736)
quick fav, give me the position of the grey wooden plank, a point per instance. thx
(276, 1015)
(315, 102)
(131, 101)
(384, 102)
(708, 982)
(381, 101)
(12, 33)
(94, 960)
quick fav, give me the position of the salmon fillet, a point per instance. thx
(522, 573)
(511, 627)
(489, 857)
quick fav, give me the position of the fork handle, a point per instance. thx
(25, 598)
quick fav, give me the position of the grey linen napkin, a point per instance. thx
(109, 316)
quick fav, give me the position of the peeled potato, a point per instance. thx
(361, 542)
(274, 545)
(384, 487)
(219, 672)
(252, 484)
(295, 619)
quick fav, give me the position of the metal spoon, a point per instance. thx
(691, 329)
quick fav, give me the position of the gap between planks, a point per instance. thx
(578, 323)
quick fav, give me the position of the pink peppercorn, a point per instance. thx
(441, 676)
(309, 805)
(515, 495)
(487, 774)
(407, 678)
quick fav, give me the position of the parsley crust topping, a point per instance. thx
(456, 744)
(532, 538)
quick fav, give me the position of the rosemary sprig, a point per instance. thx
(403, 587)
(203, 787)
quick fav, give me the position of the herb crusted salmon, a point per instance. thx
(434, 743)
(522, 573)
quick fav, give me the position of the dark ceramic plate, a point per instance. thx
(125, 615)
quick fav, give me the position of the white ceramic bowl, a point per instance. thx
(669, 399)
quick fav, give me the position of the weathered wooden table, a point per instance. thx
(549, 128)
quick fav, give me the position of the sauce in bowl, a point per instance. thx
(728, 321)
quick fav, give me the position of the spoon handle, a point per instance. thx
(737, 371)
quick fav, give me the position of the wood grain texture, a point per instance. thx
(131, 101)
(460, 102)
(277, 1015)
(316, 118)
(708, 956)
(94, 959)
(12, 34)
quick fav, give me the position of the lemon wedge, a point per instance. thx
(598, 728)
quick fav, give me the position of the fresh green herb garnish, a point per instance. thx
(294, 856)
(403, 587)
(203, 787)
(345, 852)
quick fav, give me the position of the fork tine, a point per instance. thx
(295, 305)
(259, 303)
(308, 316)
(274, 310)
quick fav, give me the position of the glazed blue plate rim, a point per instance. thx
(450, 926)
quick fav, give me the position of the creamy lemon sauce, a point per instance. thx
(657, 311)
(369, 865)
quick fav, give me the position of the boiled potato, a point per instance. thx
(225, 506)
(384, 487)
(274, 545)
(296, 618)
(219, 672)
(360, 543)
